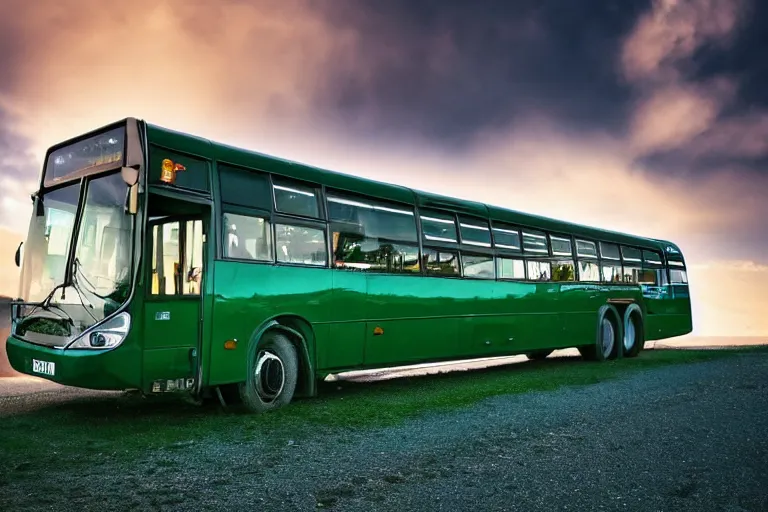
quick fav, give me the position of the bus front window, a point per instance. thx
(102, 263)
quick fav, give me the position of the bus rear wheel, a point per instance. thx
(538, 355)
(634, 337)
(272, 374)
(609, 336)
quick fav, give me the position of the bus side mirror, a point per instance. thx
(132, 199)
(130, 175)
(18, 255)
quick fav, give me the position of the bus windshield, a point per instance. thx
(102, 261)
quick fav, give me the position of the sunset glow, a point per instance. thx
(671, 151)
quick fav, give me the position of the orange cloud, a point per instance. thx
(225, 65)
(674, 114)
(672, 31)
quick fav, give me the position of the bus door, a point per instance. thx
(173, 304)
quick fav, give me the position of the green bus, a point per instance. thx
(161, 261)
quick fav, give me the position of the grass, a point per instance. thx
(79, 433)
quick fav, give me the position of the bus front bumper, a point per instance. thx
(92, 369)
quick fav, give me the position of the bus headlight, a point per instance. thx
(108, 335)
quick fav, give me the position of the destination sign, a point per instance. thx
(99, 152)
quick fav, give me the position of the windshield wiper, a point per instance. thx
(46, 304)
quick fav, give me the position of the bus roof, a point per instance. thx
(247, 158)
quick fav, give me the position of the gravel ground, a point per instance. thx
(688, 437)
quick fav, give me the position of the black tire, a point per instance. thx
(608, 338)
(588, 352)
(273, 370)
(633, 332)
(538, 355)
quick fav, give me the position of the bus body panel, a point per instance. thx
(345, 346)
(119, 368)
(170, 335)
(249, 294)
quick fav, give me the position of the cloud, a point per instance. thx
(19, 173)
(740, 137)
(229, 64)
(673, 115)
(524, 114)
(666, 38)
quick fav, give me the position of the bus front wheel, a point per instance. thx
(273, 370)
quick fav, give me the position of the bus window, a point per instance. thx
(586, 249)
(678, 276)
(443, 263)
(247, 238)
(506, 237)
(478, 267)
(589, 271)
(373, 219)
(539, 270)
(609, 251)
(631, 255)
(563, 270)
(632, 259)
(166, 267)
(355, 252)
(300, 244)
(647, 277)
(438, 227)
(561, 246)
(242, 187)
(475, 232)
(631, 274)
(612, 273)
(295, 199)
(509, 268)
(193, 257)
(653, 271)
(536, 242)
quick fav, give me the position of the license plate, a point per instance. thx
(44, 367)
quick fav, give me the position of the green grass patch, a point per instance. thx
(99, 430)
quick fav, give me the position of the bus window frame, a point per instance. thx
(493, 257)
(319, 190)
(356, 196)
(596, 259)
(307, 222)
(473, 247)
(147, 273)
(245, 212)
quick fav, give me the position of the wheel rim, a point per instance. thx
(269, 376)
(607, 337)
(629, 334)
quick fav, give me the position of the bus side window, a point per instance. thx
(165, 259)
(193, 257)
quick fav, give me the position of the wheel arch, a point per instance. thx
(300, 332)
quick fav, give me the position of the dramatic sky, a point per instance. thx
(642, 116)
